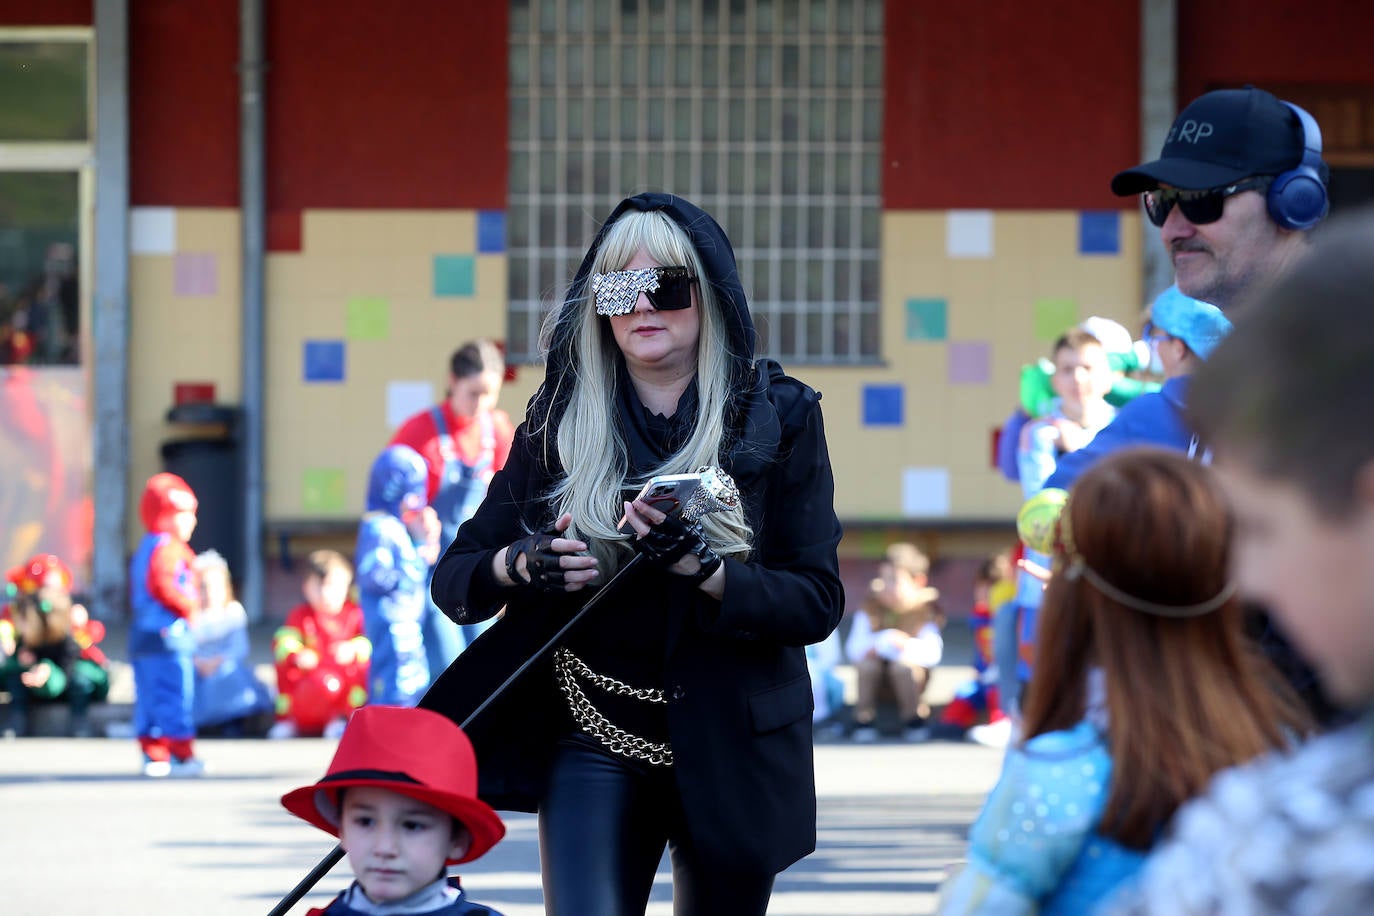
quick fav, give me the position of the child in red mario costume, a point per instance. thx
(401, 796)
(164, 596)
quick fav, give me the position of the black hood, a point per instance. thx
(718, 261)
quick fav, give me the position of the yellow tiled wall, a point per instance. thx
(967, 298)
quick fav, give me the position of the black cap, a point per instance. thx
(1220, 138)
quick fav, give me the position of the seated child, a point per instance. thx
(321, 653)
(1144, 688)
(43, 661)
(975, 699)
(894, 642)
(229, 698)
(401, 796)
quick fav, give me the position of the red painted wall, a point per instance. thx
(1000, 103)
(1233, 42)
(183, 103)
(48, 12)
(367, 105)
(387, 105)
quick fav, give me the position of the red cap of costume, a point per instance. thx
(164, 497)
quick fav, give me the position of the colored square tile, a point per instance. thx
(1099, 232)
(968, 234)
(491, 231)
(454, 275)
(324, 490)
(969, 362)
(1054, 316)
(925, 492)
(369, 318)
(195, 273)
(152, 230)
(927, 319)
(882, 405)
(323, 361)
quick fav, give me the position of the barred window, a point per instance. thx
(766, 113)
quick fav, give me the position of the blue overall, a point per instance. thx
(462, 487)
(160, 648)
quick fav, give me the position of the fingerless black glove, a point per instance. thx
(671, 540)
(541, 562)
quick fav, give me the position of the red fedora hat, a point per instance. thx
(415, 752)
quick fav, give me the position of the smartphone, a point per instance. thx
(668, 493)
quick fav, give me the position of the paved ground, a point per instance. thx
(82, 831)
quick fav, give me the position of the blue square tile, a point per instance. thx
(455, 275)
(882, 405)
(491, 231)
(1099, 232)
(323, 361)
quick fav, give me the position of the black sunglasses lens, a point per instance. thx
(674, 293)
(1200, 207)
(1156, 207)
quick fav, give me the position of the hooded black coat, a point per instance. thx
(739, 696)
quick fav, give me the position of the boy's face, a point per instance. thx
(1312, 571)
(897, 588)
(1081, 376)
(327, 595)
(395, 844)
(184, 525)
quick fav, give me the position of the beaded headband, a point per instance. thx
(1076, 566)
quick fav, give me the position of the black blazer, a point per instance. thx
(739, 696)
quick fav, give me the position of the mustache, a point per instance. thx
(1178, 245)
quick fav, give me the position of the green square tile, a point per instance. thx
(927, 319)
(1053, 317)
(455, 275)
(369, 318)
(324, 490)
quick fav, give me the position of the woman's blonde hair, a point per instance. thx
(589, 443)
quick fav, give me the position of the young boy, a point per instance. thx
(164, 594)
(401, 796)
(1284, 404)
(396, 547)
(321, 653)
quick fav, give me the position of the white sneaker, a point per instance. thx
(190, 768)
(996, 734)
(283, 728)
(864, 734)
(334, 728)
(157, 769)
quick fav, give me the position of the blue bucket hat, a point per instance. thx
(1199, 324)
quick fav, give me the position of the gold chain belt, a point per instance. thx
(569, 670)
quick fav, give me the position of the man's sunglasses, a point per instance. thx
(667, 288)
(1200, 207)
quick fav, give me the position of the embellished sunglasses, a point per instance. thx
(1200, 207)
(667, 288)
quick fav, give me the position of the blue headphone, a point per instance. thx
(1297, 198)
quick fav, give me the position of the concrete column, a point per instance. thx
(1158, 107)
(110, 308)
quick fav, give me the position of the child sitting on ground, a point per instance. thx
(401, 796)
(976, 699)
(43, 661)
(229, 698)
(894, 642)
(321, 653)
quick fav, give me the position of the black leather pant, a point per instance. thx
(602, 828)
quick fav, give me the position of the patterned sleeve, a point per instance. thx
(1047, 802)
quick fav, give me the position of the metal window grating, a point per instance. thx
(767, 113)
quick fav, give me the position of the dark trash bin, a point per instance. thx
(205, 453)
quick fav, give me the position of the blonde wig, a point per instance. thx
(590, 447)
